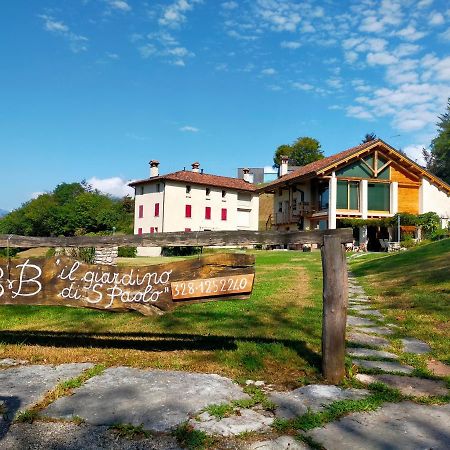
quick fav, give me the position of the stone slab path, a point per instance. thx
(399, 426)
(159, 400)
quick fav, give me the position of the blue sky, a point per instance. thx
(94, 89)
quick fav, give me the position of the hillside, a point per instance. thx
(413, 288)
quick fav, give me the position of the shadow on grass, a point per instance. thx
(151, 342)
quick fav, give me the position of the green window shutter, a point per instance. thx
(378, 197)
(342, 195)
(354, 195)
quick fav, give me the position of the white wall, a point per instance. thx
(174, 199)
(148, 200)
(432, 199)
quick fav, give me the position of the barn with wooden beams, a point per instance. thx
(370, 181)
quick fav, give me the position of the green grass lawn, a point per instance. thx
(274, 335)
(412, 289)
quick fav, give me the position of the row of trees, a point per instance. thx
(71, 209)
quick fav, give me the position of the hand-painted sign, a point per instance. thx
(149, 290)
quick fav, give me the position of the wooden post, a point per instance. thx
(334, 319)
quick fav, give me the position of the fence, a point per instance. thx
(331, 242)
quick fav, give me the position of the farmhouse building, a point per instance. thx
(370, 181)
(193, 201)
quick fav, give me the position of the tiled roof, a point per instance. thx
(185, 176)
(316, 166)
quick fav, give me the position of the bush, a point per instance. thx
(439, 234)
(181, 251)
(11, 252)
(408, 241)
(127, 252)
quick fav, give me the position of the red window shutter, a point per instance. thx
(224, 213)
(156, 209)
(208, 212)
(187, 230)
(141, 211)
(139, 230)
(188, 211)
(152, 229)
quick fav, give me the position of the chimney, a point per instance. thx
(247, 176)
(195, 167)
(154, 170)
(284, 165)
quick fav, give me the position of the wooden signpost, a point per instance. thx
(155, 289)
(149, 289)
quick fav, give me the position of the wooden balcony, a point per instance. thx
(303, 209)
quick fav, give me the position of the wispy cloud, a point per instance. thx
(120, 5)
(189, 129)
(269, 71)
(290, 44)
(77, 42)
(174, 14)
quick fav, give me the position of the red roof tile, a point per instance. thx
(185, 176)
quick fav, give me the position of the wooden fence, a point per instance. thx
(331, 242)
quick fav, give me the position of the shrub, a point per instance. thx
(181, 251)
(127, 252)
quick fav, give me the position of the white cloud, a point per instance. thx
(436, 18)
(229, 5)
(371, 24)
(335, 83)
(359, 112)
(446, 35)
(424, 3)
(175, 14)
(77, 42)
(112, 55)
(302, 86)
(414, 152)
(381, 58)
(269, 71)
(119, 4)
(290, 44)
(410, 33)
(189, 129)
(114, 186)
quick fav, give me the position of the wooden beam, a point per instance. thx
(180, 239)
(335, 299)
(371, 168)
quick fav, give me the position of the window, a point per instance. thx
(323, 196)
(152, 229)
(187, 230)
(208, 192)
(378, 197)
(347, 195)
(208, 212)
(188, 211)
(139, 230)
(141, 211)
(280, 192)
(156, 229)
(158, 187)
(188, 189)
(224, 213)
(280, 206)
(156, 209)
(224, 193)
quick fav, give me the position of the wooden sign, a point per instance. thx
(148, 289)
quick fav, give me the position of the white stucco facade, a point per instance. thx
(169, 206)
(433, 199)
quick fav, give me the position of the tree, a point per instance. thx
(282, 150)
(368, 137)
(438, 158)
(303, 151)
(71, 209)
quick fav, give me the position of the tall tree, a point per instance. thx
(303, 151)
(368, 137)
(438, 158)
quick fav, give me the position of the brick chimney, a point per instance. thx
(196, 167)
(284, 165)
(154, 168)
(247, 176)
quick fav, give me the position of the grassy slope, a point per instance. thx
(275, 334)
(413, 289)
